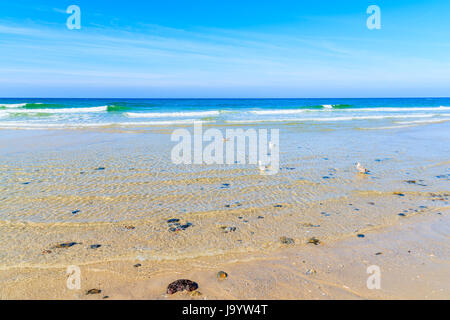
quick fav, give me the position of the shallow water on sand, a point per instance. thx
(119, 189)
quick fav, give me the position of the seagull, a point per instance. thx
(271, 146)
(261, 167)
(361, 169)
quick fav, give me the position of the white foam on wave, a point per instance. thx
(282, 111)
(389, 109)
(332, 119)
(13, 105)
(67, 110)
(28, 125)
(160, 123)
(391, 127)
(22, 124)
(329, 107)
(424, 121)
(172, 114)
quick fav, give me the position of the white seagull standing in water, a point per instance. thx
(262, 168)
(271, 146)
(361, 169)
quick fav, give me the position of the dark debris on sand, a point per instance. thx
(234, 205)
(175, 225)
(66, 245)
(314, 241)
(228, 229)
(287, 241)
(182, 285)
(310, 225)
(93, 291)
(416, 182)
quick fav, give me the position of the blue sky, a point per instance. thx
(209, 48)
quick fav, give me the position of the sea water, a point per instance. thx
(85, 113)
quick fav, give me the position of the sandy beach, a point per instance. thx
(110, 203)
(212, 153)
(412, 267)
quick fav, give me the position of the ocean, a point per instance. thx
(128, 113)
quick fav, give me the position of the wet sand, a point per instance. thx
(413, 259)
(119, 190)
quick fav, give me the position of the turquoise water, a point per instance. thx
(82, 113)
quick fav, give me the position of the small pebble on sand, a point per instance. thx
(221, 275)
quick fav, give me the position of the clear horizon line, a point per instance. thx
(234, 98)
